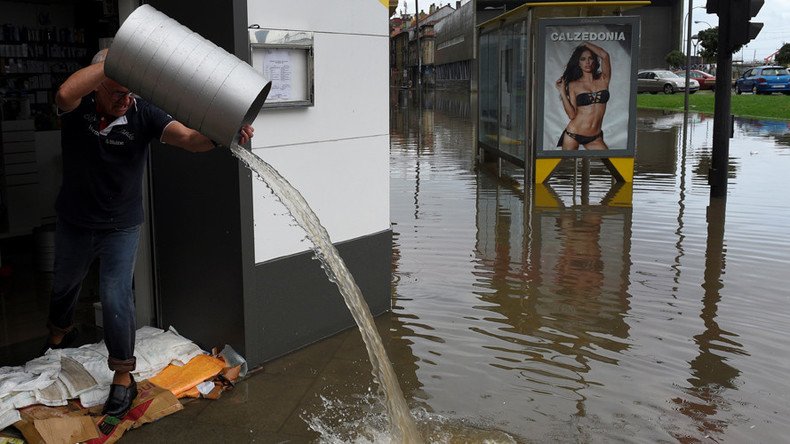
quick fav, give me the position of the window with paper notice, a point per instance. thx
(287, 68)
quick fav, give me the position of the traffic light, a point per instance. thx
(742, 31)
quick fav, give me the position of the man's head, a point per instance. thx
(111, 97)
(99, 57)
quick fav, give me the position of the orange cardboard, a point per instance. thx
(180, 380)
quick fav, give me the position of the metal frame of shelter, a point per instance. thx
(519, 28)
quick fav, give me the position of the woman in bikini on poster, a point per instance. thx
(584, 91)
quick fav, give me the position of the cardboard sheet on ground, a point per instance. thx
(182, 381)
(72, 423)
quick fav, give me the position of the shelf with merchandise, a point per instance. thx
(34, 62)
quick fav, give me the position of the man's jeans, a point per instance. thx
(116, 249)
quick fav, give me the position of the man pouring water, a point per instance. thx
(105, 135)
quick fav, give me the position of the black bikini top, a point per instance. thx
(589, 98)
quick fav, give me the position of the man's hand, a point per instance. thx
(245, 134)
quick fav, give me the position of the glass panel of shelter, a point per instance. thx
(512, 105)
(489, 86)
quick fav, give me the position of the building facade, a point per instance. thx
(455, 37)
(220, 259)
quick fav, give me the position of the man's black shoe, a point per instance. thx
(120, 400)
(67, 341)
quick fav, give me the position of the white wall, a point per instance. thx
(336, 152)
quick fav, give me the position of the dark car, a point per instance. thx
(764, 80)
(705, 80)
(661, 80)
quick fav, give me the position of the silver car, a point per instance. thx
(661, 80)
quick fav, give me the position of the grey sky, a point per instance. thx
(775, 15)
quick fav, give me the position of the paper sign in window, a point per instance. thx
(278, 68)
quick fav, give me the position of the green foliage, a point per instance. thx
(783, 56)
(775, 106)
(709, 41)
(676, 59)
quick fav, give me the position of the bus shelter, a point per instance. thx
(558, 80)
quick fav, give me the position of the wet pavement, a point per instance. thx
(268, 406)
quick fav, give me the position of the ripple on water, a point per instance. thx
(660, 321)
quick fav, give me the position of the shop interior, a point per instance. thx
(41, 43)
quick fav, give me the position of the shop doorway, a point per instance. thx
(41, 44)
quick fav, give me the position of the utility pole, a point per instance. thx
(688, 58)
(419, 48)
(722, 120)
(735, 30)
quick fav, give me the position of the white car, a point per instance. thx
(662, 80)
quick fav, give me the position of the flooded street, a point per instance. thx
(593, 312)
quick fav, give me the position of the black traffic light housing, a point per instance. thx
(740, 29)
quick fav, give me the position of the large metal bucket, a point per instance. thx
(189, 77)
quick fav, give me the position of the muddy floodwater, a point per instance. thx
(588, 311)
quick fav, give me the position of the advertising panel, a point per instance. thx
(586, 86)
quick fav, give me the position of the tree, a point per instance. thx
(709, 41)
(783, 56)
(676, 59)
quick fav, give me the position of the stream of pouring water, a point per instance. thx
(404, 429)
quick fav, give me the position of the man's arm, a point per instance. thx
(177, 134)
(79, 85)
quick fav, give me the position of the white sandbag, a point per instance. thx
(8, 418)
(20, 399)
(74, 376)
(95, 396)
(53, 396)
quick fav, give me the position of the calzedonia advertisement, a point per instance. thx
(586, 87)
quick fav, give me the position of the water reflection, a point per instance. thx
(562, 303)
(658, 130)
(778, 130)
(710, 372)
(585, 310)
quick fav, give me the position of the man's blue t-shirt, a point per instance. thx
(103, 169)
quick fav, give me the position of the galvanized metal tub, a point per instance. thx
(189, 77)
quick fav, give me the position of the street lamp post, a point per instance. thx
(688, 54)
(695, 42)
(686, 22)
(419, 49)
(688, 59)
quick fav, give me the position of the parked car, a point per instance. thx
(705, 80)
(764, 80)
(661, 80)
